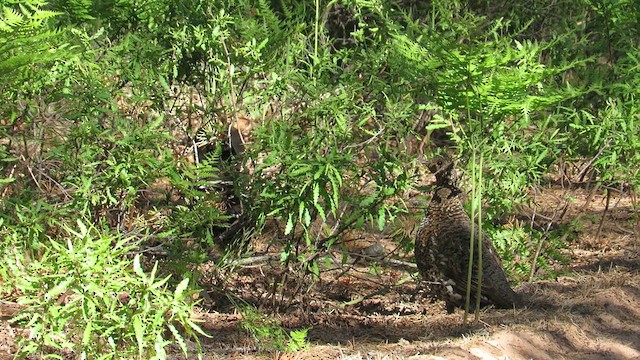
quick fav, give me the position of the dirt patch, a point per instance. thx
(589, 316)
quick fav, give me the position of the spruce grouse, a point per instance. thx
(442, 249)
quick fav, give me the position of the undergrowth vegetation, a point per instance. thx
(183, 130)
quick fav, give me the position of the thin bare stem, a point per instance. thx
(478, 202)
(471, 243)
(604, 214)
(232, 94)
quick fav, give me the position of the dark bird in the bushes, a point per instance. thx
(442, 249)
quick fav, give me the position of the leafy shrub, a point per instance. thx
(344, 97)
(85, 296)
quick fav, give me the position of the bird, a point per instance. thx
(442, 248)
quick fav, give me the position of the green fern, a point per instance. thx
(25, 37)
(73, 11)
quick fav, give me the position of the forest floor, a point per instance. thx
(590, 311)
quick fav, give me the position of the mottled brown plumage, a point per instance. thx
(442, 249)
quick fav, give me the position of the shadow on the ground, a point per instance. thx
(591, 313)
(610, 263)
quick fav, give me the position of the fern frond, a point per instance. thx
(25, 37)
(10, 19)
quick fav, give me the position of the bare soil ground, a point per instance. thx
(592, 311)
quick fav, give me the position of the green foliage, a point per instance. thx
(86, 296)
(518, 246)
(269, 335)
(114, 164)
(95, 150)
(73, 11)
(199, 216)
(612, 134)
(104, 98)
(25, 38)
(308, 181)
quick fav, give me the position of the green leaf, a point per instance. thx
(301, 209)
(315, 270)
(178, 338)
(154, 270)
(159, 345)
(370, 199)
(163, 83)
(381, 218)
(6, 180)
(180, 288)
(137, 268)
(316, 193)
(300, 170)
(86, 334)
(139, 330)
(307, 217)
(289, 227)
(161, 283)
(321, 212)
(197, 328)
(83, 229)
(54, 293)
